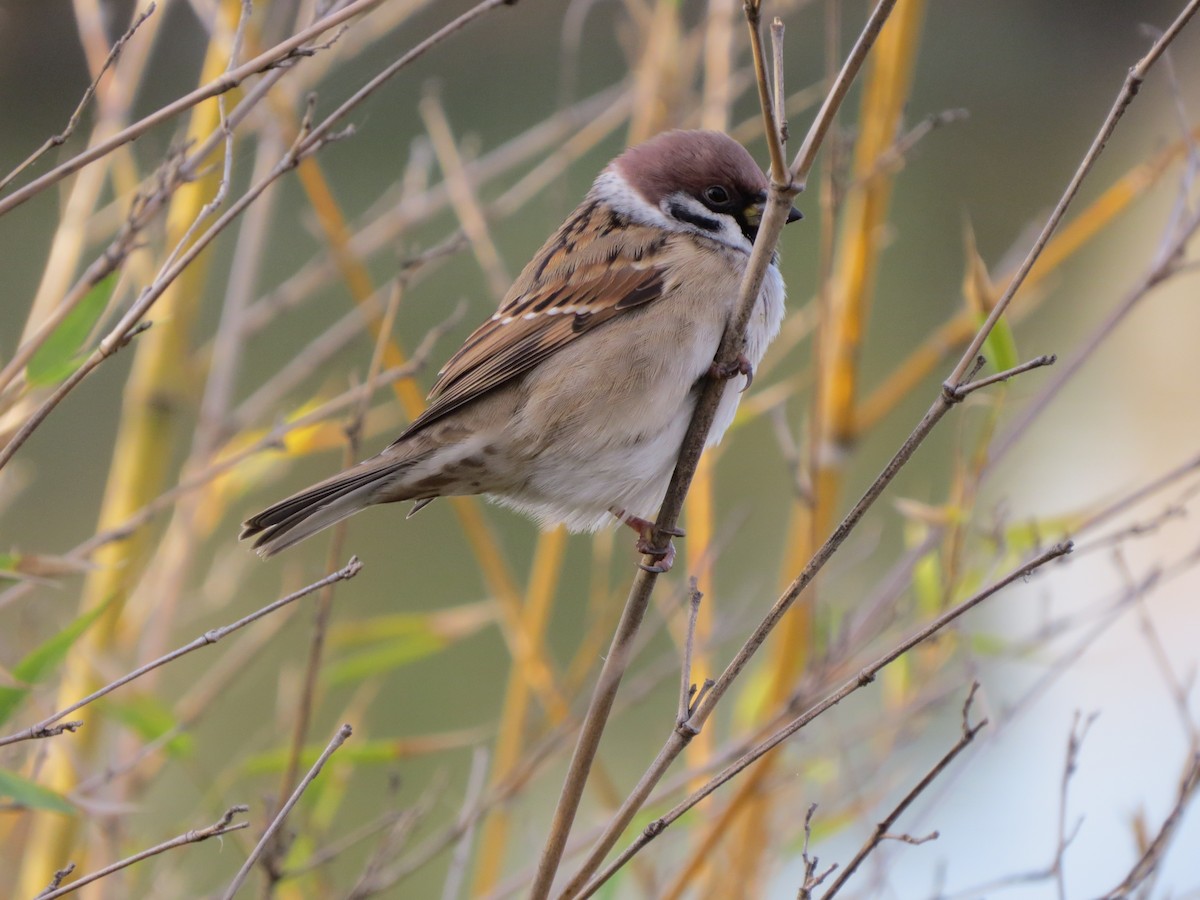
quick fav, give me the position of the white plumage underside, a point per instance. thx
(578, 484)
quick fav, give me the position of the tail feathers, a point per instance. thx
(304, 514)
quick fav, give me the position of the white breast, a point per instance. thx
(762, 328)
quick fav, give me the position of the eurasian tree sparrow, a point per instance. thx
(571, 402)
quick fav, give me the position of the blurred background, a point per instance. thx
(539, 95)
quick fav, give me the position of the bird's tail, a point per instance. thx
(314, 509)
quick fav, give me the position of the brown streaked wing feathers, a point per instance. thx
(497, 351)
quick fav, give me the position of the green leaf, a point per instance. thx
(43, 661)
(1000, 348)
(18, 790)
(149, 719)
(392, 655)
(59, 356)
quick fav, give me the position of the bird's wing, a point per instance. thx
(565, 292)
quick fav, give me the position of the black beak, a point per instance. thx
(794, 215)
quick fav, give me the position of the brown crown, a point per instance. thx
(691, 161)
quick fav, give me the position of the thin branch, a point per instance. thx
(807, 154)
(308, 141)
(764, 80)
(224, 825)
(864, 677)
(777, 91)
(1133, 82)
(774, 218)
(1074, 744)
(44, 728)
(812, 879)
(882, 830)
(338, 739)
(1150, 859)
(687, 689)
(972, 386)
(227, 82)
(63, 136)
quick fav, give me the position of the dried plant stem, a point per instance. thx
(222, 826)
(226, 82)
(845, 309)
(338, 739)
(883, 828)
(1133, 83)
(61, 138)
(950, 395)
(140, 463)
(308, 142)
(864, 677)
(774, 218)
(45, 727)
(807, 154)
(1148, 862)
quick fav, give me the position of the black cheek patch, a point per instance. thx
(683, 214)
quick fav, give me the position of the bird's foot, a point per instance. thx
(664, 557)
(740, 366)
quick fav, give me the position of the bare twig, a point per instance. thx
(57, 879)
(807, 154)
(864, 677)
(774, 218)
(1133, 82)
(1154, 852)
(1074, 744)
(47, 728)
(309, 141)
(882, 830)
(812, 878)
(338, 739)
(227, 82)
(63, 136)
(687, 689)
(972, 386)
(224, 825)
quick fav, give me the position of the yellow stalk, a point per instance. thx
(1072, 237)
(528, 656)
(70, 238)
(700, 507)
(657, 79)
(864, 218)
(140, 466)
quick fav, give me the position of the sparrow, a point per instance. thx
(570, 403)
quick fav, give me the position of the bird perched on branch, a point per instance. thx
(571, 402)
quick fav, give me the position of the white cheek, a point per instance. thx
(611, 188)
(728, 231)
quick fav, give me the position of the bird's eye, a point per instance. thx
(716, 195)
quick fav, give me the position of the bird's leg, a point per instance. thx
(740, 366)
(664, 557)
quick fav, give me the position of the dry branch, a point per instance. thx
(45, 728)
